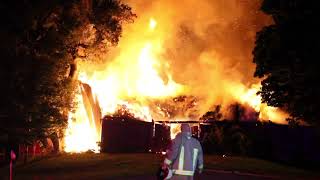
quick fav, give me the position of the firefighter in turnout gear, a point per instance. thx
(184, 156)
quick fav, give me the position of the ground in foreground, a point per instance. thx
(144, 166)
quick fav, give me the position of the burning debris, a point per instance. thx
(174, 108)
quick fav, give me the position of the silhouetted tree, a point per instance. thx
(39, 42)
(285, 55)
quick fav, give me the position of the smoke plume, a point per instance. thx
(208, 44)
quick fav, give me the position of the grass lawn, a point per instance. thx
(97, 166)
(256, 166)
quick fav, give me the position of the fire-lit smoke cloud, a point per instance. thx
(177, 61)
(208, 44)
(199, 49)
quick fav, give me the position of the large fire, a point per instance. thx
(133, 75)
(139, 72)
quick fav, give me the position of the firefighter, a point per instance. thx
(184, 155)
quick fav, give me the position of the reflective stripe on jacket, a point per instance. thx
(185, 155)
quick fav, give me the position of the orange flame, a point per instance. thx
(132, 75)
(249, 96)
(80, 135)
(136, 75)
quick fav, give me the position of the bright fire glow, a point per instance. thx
(250, 97)
(174, 130)
(80, 135)
(136, 74)
(152, 24)
(132, 75)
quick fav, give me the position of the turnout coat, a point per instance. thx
(185, 154)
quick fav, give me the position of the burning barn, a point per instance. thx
(156, 76)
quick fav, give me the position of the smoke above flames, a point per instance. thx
(179, 60)
(208, 44)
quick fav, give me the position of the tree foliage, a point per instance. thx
(40, 41)
(285, 55)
